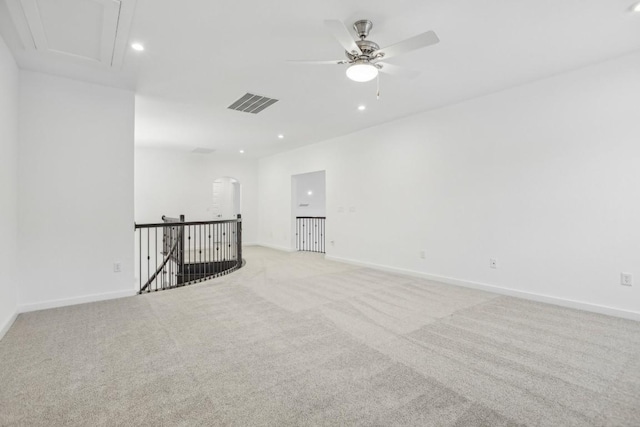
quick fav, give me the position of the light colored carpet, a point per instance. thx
(292, 339)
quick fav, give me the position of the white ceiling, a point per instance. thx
(202, 55)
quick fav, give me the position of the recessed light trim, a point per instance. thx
(137, 46)
(309, 193)
(280, 136)
(362, 107)
(241, 151)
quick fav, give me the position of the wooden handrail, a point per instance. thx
(165, 224)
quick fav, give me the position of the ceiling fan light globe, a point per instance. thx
(362, 72)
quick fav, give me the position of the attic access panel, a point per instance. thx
(84, 29)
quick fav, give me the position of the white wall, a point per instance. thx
(8, 187)
(171, 182)
(543, 177)
(313, 204)
(76, 191)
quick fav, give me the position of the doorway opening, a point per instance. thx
(227, 198)
(308, 211)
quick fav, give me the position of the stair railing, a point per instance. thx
(310, 233)
(176, 253)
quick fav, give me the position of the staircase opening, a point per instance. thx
(176, 252)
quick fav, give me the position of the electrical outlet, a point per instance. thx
(423, 255)
(117, 267)
(493, 263)
(626, 279)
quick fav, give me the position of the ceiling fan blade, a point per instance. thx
(336, 62)
(397, 71)
(343, 36)
(421, 40)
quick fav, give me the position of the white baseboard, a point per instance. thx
(7, 324)
(276, 247)
(580, 305)
(43, 305)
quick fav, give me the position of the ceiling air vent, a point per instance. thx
(251, 103)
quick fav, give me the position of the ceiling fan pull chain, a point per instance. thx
(378, 85)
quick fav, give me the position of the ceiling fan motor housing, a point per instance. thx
(367, 47)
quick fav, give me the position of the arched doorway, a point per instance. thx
(226, 202)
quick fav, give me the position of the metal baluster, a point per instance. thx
(216, 256)
(166, 275)
(172, 267)
(148, 258)
(140, 256)
(239, 240)
(155, 256)
(169, 267)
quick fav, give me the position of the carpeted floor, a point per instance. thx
(292, 339)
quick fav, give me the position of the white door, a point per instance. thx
(226, 198)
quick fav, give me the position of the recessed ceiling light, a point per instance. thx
(280, 136)
(241, 151)
(362, 107)
(636, 8)
(137, 46)
(309, 192)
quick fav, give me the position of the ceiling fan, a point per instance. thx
(364, 56)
